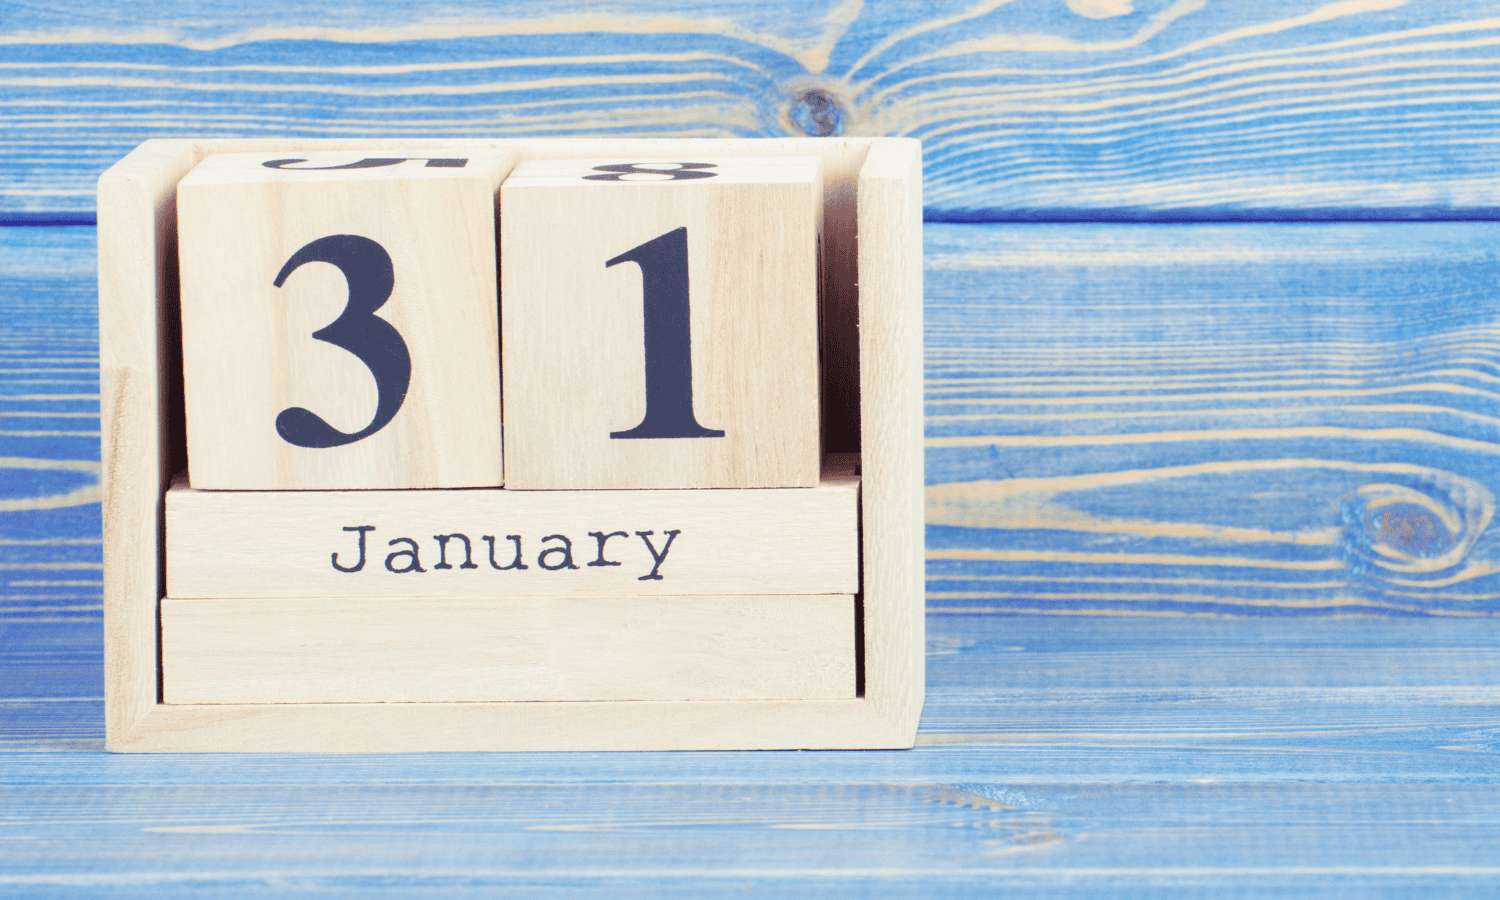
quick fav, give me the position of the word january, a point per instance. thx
(556, 552)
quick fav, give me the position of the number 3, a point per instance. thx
(374, 341)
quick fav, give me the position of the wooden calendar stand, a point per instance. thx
(872, 391)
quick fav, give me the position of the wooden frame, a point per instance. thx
(872, 203)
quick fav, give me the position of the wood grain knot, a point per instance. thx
(816, 113)
(1415, 529)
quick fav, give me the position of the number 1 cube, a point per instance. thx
(339, 320)
(660, 323)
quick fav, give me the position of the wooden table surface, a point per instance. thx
(1212, 424)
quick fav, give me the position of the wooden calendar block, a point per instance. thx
(504, 543)
(339, 319)
(661, 322)
(757, 643)
(317, 650)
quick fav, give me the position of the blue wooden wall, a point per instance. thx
(1027, 108)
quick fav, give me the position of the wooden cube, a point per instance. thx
(661, 322)
(339, 320)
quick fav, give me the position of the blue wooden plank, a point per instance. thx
(1257, 419)
(758, 840)
(50, 552)
(1117, 108)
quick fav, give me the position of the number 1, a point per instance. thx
(669, 358)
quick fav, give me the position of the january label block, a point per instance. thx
(508, 544)
(339, 320)
(660, 322)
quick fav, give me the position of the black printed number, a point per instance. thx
(367, 268)
(372, 162)
(620, 171)
(669, 357)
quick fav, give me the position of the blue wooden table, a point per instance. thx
(1212, 367)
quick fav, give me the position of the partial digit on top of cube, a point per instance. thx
(661, 322)
(339, 319)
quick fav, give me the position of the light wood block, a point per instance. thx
(489, 543)
(661, 330)
(873, 193)
(339, 319)
(320, 650)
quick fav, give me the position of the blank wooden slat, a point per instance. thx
(487, 543)
(1090, 107)
(508, 649)
(136, 360)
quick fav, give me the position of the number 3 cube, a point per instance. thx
(339, 320)
(660, 323)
